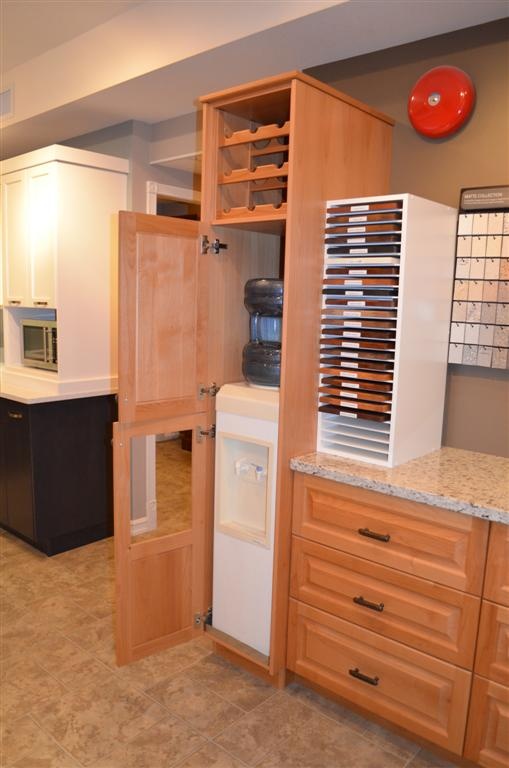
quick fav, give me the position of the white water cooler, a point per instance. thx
(244, 510)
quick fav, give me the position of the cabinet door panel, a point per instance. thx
(418, 692)
(487, 741)
(492, 657)
(447, 547)
(41, 219)
(163, 308)
(18, 466)
(14, 237)
(496, 586)
(427, 616)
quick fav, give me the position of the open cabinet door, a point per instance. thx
(163, 454)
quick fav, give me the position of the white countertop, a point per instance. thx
(463, 481)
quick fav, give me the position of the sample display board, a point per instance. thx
(480, 310)
(387, 283)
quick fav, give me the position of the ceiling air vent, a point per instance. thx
(6, 103)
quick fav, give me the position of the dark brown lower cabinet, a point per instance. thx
(56, 488)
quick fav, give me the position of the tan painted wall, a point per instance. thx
(477, 402)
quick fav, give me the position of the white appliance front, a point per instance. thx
(246, 451)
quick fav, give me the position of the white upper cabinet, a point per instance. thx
(30, 236)
(42, 233)
(59, 233)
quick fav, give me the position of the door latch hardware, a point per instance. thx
(211, 390)
(385, 537)
(365, 678)
(368, 604)
(202, 433)
(203, 618)
(214, 247)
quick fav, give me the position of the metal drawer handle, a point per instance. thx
(372, 535)
(365, 678)
(14, 415)
(368, 604)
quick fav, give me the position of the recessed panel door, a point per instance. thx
(163, 446)
(162, 317)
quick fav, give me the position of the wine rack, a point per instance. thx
(387, 285)
(253, 148)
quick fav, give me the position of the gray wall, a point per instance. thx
(477, 401)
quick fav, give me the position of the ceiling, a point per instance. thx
(80, 65)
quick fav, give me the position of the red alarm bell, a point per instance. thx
(441, 101)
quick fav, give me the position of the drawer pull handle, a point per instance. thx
(14, 415)
(373, 535)
(365, 678)
(368, 604)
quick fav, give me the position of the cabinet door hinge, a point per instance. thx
(203, 618)
(213, 247)
(211, 390)
(202, 433)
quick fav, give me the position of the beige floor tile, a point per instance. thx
(25, 745)
(75, 668)
(327, 707)
(211, 756)
(236, 686)
(320, 743)
(58, 612)
(25, 683)
(425, 759)
(390, 742)
(97, 638)
(146, 673)
(163, 745)
(259, 732)
(188, 698)
(90, 723)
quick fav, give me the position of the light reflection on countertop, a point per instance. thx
(463, 481)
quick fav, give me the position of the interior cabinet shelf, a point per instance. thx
(255, 174)
(257, 134)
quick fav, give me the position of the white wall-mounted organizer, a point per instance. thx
(245, 497)
(387, 285)
(480, 312)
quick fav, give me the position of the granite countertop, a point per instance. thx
(463, 481)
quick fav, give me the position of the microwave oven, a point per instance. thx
(39, 344)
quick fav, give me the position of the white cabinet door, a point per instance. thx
(14, 239)
(41, 214)
(30, 236)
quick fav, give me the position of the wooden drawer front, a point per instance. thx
(487, 741)
(424, 695)
(426, 541)
(427, 616)
(492, 657)
(496, 586)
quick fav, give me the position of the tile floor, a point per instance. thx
(65, 704)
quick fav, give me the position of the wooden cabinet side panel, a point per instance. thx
(492, 656)
(487, 742)
(496, 585)
(421, 694)
(425, 541)
(318, 123)
(427, 616)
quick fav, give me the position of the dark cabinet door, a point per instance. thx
(18, 469)
(4, 518)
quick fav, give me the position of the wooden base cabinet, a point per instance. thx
(385, 595)
(57, 471)
(425, 696)
(487, 740)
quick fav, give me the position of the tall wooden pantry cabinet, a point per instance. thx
(274, 151)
